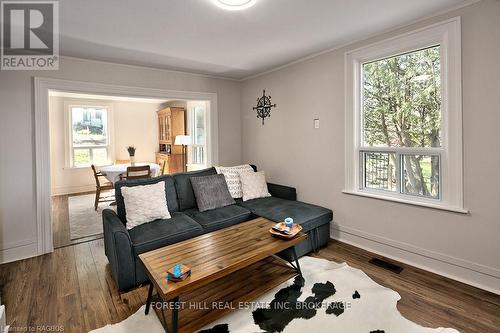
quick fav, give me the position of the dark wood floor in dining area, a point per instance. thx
(73, 287)
(60, 221)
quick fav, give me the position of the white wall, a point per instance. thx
(132, 124)
(135, 124)
(465, 247)
(17, 168)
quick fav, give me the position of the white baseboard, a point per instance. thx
(484, 277)
(72, 189)
(18, 253)
(17, 243)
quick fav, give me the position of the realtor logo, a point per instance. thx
(30, 35)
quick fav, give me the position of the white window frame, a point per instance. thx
(191, 117)
(68, 133)
(447, 34)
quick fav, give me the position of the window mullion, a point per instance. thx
(362, 169)
(399, 173)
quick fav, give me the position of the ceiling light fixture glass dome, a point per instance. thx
(235, 4)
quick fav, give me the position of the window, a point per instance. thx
(401, 108)
(89, 136)
(197, 122)
(403, 118)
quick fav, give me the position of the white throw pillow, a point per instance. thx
(254, 185)
(232, 175)
(145, 203)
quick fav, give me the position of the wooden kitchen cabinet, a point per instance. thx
(171, 122)
(173, 162)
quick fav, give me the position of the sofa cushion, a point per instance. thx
(173, 205)
(153, 235)
(232, 176)
(276, 209)
(145, 203)
(211, 192)
(219, 218)
(185, 194)
(253, 185)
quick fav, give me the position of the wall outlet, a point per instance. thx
(316, 123)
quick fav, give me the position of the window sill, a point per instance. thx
(86, 167)
(408, 202)
(76, 168)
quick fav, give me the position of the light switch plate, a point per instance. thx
(316, 123)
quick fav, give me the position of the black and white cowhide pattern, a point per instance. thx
(331, 298)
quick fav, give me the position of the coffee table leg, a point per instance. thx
(150, 296)
(175, 315)
(296, 261)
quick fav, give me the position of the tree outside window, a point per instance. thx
(89, 136)
(401, 116)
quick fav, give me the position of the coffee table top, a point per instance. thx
(214, 255)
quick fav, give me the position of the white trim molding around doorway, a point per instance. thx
(42, 86)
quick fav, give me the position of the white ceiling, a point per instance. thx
(197, 36)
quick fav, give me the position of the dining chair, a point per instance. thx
(163, 165)
(99, 187)
(136, 172)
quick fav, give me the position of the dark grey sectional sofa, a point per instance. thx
(122, 246)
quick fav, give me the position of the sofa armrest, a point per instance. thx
(119, 250)
(282, 191)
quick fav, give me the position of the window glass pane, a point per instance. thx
(421, 175)
(197, 156)
(199, 130)
(379, 170)
(402, 100)
(100, 156)
(89, 126)
(81, 157)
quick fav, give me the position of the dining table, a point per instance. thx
(113, 172)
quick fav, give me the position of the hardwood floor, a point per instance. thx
(426, 298)
(60, 222)
(73, 287)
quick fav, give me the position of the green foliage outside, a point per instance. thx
(402, 108)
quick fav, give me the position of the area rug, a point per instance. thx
(84, 221)
(331, 298)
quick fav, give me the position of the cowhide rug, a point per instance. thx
(331, 298)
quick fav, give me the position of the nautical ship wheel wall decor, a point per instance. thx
(264, 106)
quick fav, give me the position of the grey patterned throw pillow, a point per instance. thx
(211, 192)
(232, 175)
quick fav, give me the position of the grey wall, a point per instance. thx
(292, 152)
(17, 182)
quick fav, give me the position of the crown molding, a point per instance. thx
(174, 71)
(365, 38)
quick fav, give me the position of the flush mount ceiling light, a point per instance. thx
(234, 4)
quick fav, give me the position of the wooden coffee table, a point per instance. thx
(229, 266)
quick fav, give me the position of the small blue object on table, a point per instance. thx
(178, 273)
